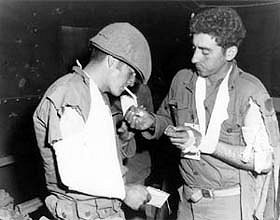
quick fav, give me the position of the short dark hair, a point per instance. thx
(223, 23)
(97, 55)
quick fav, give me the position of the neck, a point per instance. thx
(220, 74)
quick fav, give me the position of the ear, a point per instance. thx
(111, 61)
(231, 53)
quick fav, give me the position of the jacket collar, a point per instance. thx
(86, 80)
(233, 75)
(190, 84)
(80, 72)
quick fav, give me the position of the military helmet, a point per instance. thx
(126, 43)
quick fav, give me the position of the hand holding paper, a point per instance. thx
(136, 195)
(186, 138)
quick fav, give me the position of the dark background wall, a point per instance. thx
(39, 41)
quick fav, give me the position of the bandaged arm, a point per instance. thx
(232, 154)
(257, 154)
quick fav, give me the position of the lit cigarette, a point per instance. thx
(131, 94)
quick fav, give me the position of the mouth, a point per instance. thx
(199, 67)
(123, 88)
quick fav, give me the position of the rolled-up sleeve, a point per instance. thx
(46, 123)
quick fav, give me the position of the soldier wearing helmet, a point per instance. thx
(75, 129)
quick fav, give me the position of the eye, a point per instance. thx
(131, 74)
(205, 52)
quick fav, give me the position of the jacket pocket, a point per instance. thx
(86, 211)
(66, 210)
(230, 133)
(181, 112)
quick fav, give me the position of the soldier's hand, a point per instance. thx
(183, 137)
(138, 118)
(136, 196)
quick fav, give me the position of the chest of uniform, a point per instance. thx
(183, 109)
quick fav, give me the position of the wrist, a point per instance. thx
(153, 125)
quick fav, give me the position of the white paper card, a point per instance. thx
(159, 197)
(194, 155)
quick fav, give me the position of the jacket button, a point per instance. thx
(229, 130)
(63, 214)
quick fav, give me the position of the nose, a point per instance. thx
(196, 56)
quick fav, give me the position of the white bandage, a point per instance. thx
(249, 135)
(256, 138)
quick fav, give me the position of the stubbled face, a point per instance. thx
(122, 76)
(208, 57)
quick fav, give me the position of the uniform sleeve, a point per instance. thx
(145, 97)
(126, 148)
(271, 125)
(46, 123)
(163, 116)
(269, 117)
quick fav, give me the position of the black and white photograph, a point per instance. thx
(139, 109)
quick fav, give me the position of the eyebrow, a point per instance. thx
(203, 48)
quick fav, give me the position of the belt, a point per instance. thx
(213, 193)
(89, 209)
(99, 202)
